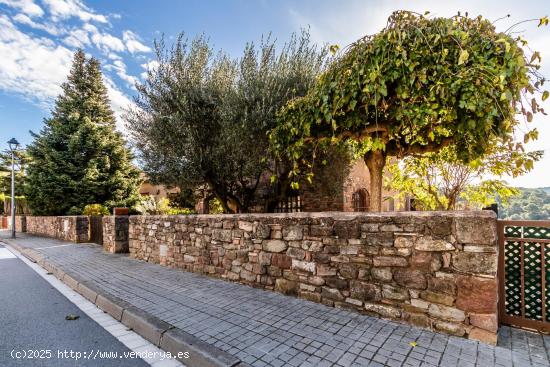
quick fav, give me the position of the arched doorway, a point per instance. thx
(360, 200)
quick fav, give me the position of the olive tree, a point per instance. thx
(202, 118)
(419, 85)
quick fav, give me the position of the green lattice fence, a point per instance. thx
(524, 273)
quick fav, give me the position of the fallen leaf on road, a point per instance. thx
(412, 344)
(72, 317)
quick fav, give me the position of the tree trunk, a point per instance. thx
(375, 161)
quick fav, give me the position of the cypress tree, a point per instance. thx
(79, 158)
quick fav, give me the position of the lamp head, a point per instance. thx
(14, 144)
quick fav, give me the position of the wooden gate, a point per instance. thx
(524, 274)
(96, 229)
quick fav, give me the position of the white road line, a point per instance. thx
(6, 254)
(130, 339)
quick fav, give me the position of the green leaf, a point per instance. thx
(545, 95)
(529, 117)
(463, 57)
(543, 21)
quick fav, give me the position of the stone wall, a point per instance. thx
(20, 223)
(432, 269)
(115, 234)
(67, 228)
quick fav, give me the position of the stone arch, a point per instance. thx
(360, 200)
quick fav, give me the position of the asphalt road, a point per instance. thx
(32, 322)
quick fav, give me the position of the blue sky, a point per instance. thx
(37, 38)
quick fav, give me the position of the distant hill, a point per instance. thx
(530, 204)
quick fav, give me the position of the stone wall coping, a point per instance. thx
(334, 215)
(56, 216)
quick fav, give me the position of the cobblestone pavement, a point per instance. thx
(265, 328)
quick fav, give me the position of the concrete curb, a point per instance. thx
(149, 327)
(200, 353)
(160, 333)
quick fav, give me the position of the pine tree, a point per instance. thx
(79, 158)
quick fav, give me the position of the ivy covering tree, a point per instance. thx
(419, 85)
(79, 158)
(202, 117)
(439, 181)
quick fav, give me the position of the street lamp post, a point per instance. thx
(14, 145)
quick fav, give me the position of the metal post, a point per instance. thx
(12, 194)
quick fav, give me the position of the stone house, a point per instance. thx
(351, 193)
(339, 186)
(147, 188)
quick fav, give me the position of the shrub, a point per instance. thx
(180, 211)
(95, 209)
(152, 206)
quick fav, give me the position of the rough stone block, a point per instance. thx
(404, 241)
(384, 239)
(428, 243)
(475, 263)
(365, 291)
(293, 233)
(410, 278)
(274, 245)
(383, 310)
(441, 298)
(281, 261)
(383, 261)
(286, 286)
(476, 230)
(442, 285)
(332, 294)
(394, 293)
(477, 295)
(303, 266)
(450, 328)
(382, 274)
(446, 313)
(425, 261)
(487, 322)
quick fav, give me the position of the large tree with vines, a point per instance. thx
(419, 85)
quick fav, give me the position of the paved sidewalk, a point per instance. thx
(265, 328)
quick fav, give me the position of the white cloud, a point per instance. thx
(133, 44)
(78, 38)
(49, 28)
(107, 42)
(31, 67)
(26, 6)
(34, 67)
(64, 9)
(120, 68)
